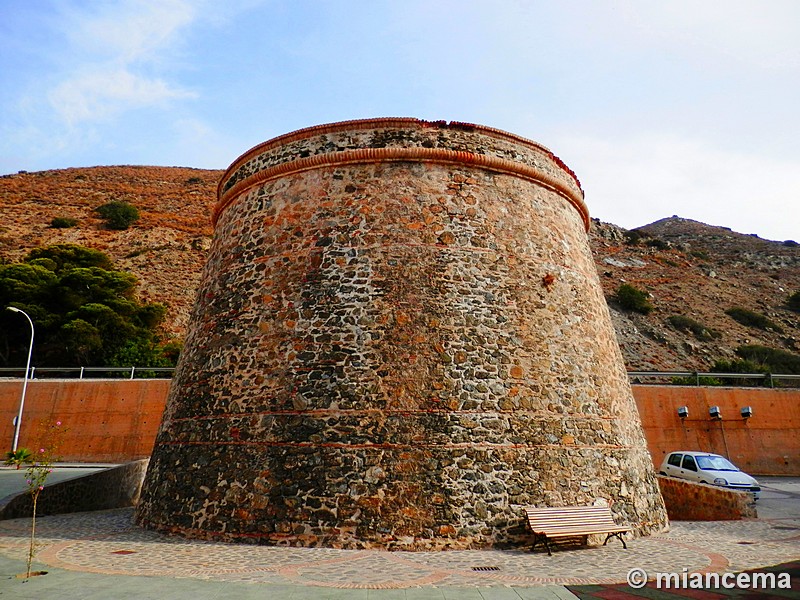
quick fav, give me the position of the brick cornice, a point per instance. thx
(384, 122)
(376, 155)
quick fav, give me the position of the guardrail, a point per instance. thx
(670, 377)
(90, 372)
(643, 377)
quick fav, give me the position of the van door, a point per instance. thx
(689, 468)
(673, 465)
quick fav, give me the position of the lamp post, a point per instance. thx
(25, 384)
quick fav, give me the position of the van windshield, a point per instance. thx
(715, 463)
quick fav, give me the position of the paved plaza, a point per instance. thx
(102, 554)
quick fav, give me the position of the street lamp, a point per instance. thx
(25, 384)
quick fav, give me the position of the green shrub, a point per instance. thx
(688, 324)
(737, 366)
(118, 214)
(86, 312)
(707, 381)
(63, 222)
(740, 366)
(194, 181)
(632, 298)
(633, 237)
(69, 256)
(751, 318)
(793, 303)
(18, 457)
(657, 243)
(772, 360)
(757, 359)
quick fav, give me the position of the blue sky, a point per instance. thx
(686, 107)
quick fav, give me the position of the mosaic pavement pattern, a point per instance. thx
(107, 542)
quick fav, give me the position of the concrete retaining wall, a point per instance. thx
(689, 501)
(108, 421)
(768, 443)
(118, 487)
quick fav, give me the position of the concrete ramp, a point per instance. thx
(116, 487)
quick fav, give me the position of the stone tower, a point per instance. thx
(399, 341)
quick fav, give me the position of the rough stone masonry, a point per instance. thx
(399, 341)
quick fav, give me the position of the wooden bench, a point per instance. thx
(572, 521)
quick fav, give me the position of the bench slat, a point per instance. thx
(573, 521)
(571, 518)
(584, 531)
(537, 525)
(583, 521)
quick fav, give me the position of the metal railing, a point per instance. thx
(89, 372)
(643, 377)
(698, 379)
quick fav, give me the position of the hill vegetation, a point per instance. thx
(85, 312)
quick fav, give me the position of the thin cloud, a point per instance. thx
(106, 92)
(762, 35)
(637, 180)
(117, 48)
(129, 32)
(97, 62)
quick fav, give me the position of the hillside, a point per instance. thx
(690, 269)
(697, 271)
(165, 249)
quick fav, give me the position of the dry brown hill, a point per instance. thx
(690, 269)
(697, 271)
(165, 249)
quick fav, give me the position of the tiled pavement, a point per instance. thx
(622, 591)
(102, 554)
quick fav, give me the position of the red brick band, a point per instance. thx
(431, 155)
(383, 123)
(396, 446)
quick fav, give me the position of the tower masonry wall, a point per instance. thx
(399, 341)
(117, 431)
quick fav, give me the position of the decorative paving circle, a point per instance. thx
(106, 542)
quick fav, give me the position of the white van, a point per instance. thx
(713, 469)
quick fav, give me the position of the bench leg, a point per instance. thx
(543, 539)
(617, 535)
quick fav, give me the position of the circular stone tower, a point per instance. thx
(399, 341)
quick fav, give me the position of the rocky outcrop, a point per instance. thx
(696, 271)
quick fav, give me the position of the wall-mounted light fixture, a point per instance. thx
(714, 412)
(747, 412)
(683, 412)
